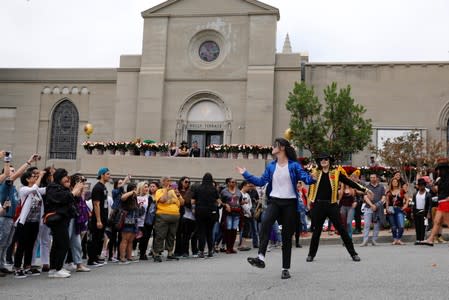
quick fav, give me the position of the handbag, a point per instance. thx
(258, 212)
(390, 210)
(52, 218)
(120, 219)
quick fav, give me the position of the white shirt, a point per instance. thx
(420, 200)
(247, 206)
(282, 184)
(142, 201)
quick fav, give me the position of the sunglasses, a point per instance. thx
(186, 181)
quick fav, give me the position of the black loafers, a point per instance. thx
(355, 257)
(285, 274)
(256, 262)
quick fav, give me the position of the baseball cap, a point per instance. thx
(102, 171)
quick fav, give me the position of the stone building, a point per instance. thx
(209, 72)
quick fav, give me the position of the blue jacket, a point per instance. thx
(296, 173)
(5, 191)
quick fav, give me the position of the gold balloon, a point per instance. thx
(288, 134)
(88, 129)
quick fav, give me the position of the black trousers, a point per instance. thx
(143, 241)
(205, 227)
(188, 228)
(358, 216)
(420, 227)
(60, 245)
(283, 210)
(26, 237)
(114, 242)
(95, 242)
(322, 210)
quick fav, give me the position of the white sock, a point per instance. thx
(283, 269)
(261, 257)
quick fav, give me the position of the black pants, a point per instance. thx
(95, 242)
(283, 210)
(26, 237)
(298, 228)
(420, 227)
(205, 227)
(60, 245)
(188, 228)
(322, 210)
(358, 216)
(143, 241)
(114, 242)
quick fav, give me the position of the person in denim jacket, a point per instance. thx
(282, 174)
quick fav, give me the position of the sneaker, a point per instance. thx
(364, 243)
(124, 262)
(58, 274)
(309, 258)
(157, 259)
(200, 255)
(133, 260)
(45, 268)
(256, 262)
(374, 243)
(100, 259)
(210, 254)
(94, 264)
(143, 257)
(19, 274)
(32, 272)
(82, 268)
(172, 257)
(70, 267)
(195, 255)
(113, 260)
(285, 274)
(441, 240)
(222, 249)
(6, 271)
(65, 271)
(185, 255)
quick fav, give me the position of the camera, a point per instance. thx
(7, 157)
(8, 182)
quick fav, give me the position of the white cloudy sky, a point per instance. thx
(94, 33)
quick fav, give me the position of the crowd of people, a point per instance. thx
(55, 224)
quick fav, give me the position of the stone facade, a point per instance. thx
(208, 71)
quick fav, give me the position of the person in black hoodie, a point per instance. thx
(205, 201)
(58, 210)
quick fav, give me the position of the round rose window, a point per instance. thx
(209, 51)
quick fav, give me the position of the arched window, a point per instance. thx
(64, 131)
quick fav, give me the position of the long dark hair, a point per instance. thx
(289, 150)
(208, 180)
(131, 202)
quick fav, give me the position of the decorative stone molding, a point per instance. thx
(65, 90)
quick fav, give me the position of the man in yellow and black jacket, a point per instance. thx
(323, 195)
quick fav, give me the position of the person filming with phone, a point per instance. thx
(9, 201)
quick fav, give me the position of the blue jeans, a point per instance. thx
(303, 221)
(75, 243)
(347, 215)
(216, 233)
(232, 222)
(396, 221)
(368, 219)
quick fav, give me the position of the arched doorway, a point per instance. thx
(204, 119)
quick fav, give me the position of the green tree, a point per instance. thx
(338, 129)
(410, 153)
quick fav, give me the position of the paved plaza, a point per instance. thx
(385, 272)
